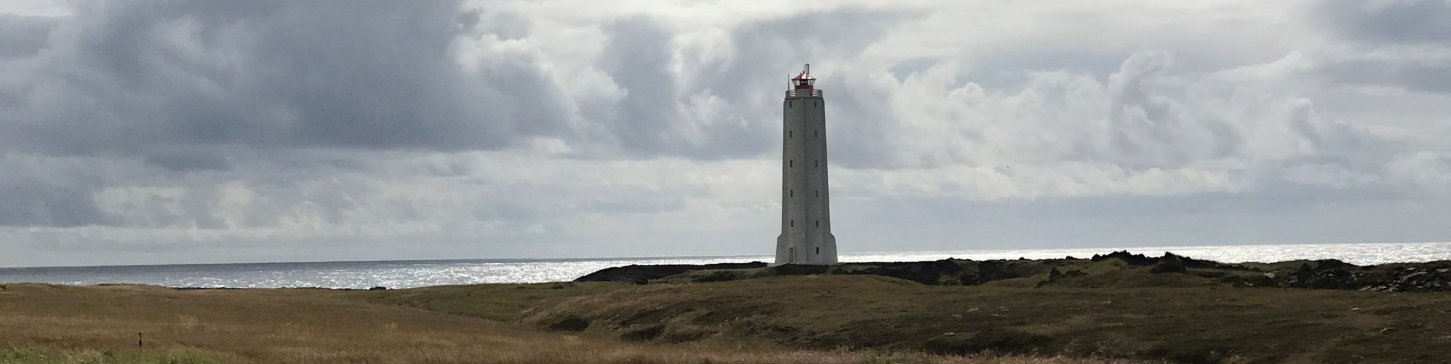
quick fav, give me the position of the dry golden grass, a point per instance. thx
(795, 319)
(1111, 311)
(1154, 317)
(45, 323)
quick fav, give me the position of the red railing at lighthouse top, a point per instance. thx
(803, 85)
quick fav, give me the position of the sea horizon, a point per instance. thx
(1107, 249)
(434, 272)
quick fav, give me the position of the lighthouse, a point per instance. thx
(805, 200)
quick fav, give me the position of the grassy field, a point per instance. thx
(1116, 315)
(100, 324)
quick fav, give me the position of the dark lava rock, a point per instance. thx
(1170, 263)
(1395, 277)
(718, 276)
(641, 274)
(1124, 255)
(938, 272)
(990, 270)
(1203, 264)
(1317, 274)
(930, 272)
(1258, 280)
(1415, 277)
(1333, 276)
(793, 270)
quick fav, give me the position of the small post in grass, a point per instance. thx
(138, 340)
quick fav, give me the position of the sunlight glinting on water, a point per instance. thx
(406, 274)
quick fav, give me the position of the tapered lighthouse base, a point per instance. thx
(817, 251)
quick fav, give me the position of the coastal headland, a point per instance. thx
(1119, 307)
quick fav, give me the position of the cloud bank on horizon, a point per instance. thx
(182, 132)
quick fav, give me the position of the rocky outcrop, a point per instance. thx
(1140, 260)
(1316, 274)
(1131, 259)
(640, 274)
(938, 272)
(1169, 263)
(1397, 277)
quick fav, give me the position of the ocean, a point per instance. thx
(420, 273)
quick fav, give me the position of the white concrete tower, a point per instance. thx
(805, 202)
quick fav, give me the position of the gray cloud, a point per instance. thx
(148, 78)
(1199, 219)
(761, 50)
(637, 56)
(721, 107)
(1395, 22)
(1421, 76)
(30, 202)
(1151, 129)
(22, 36)
(45, 193)
(188, 159)
(750, 75)
(1397, 44)
(858, 123)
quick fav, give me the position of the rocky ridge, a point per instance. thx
(1313, 274)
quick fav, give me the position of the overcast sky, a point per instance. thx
(142, 132)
